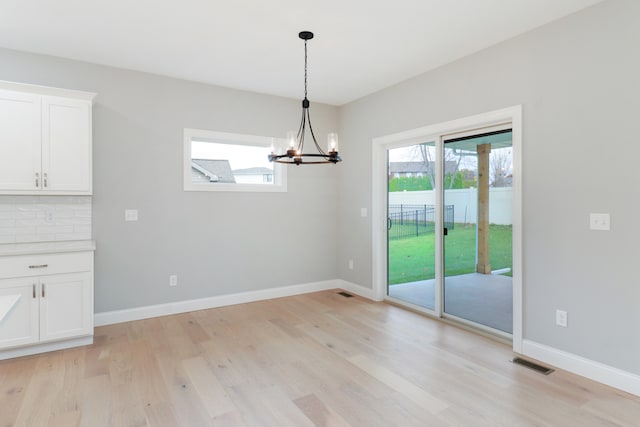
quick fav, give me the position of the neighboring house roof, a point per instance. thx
(421, 167)
(254, 171)
(212, 170)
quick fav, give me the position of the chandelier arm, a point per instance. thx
(313, 135)
(299, 159)
(303, 125)
(300, 134)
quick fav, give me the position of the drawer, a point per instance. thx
(44, 264)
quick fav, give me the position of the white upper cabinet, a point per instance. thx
(20, 140)
(66, 145)
(45, 140)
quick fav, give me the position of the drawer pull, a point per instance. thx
(43, 290)
(34, 291)
(39, 266)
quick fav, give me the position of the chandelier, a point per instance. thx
(294, 153)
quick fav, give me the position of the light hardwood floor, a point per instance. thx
(317, 359)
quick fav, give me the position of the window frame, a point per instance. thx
(279, 170)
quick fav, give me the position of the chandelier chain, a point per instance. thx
(305, 69)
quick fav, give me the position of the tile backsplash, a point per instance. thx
(44, 218)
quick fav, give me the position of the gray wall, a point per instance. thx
(578, 81)
(217, 243)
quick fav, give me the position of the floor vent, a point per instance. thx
(538, 368)
(345, 294)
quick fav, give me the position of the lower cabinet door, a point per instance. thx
(66, 302)
(18, 312)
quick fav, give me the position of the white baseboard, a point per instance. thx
(44, 347)
(356, 289)
(593, 370)
(146, 312)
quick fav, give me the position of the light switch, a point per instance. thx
(599, 221)
(131, 215)
(363, 212)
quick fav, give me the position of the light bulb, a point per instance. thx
(291, 139)
(332, 139)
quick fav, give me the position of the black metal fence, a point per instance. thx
(415, 220)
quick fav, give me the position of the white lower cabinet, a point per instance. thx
(53, 306)
(66, 303)
(19, 318)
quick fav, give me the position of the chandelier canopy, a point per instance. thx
(294, 153)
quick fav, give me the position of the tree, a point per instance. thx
(500, 167)
(426, 152)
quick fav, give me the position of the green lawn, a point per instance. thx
(413, 259)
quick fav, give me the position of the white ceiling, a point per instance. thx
(361, 46)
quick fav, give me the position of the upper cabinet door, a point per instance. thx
(66, 145)
(20, 136)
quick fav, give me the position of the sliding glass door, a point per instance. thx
(477, 243)
(411, 230)
(449, 226)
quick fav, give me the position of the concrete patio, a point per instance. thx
(486, 299)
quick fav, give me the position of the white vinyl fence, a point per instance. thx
(465, 202)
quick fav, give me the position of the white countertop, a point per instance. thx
(46, 247)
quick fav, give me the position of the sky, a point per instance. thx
(239, 156)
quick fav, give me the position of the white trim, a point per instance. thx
(439, 217)
(433, 133)
(578, 365)
(45, 347)
(146, 312)
(516, 215)
(379, 218)
(279, 184)
(47, 91)
(356, 289)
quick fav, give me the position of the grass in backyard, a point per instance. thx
(413, 258)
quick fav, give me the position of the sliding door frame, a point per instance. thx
(436, 133)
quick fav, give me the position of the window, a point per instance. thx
(218, 161)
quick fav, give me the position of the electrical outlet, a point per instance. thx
(350, 264)
(173, 280)
(50, 216)
(363, 212)
(599, 221)
(561, 318)
(131, 215)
